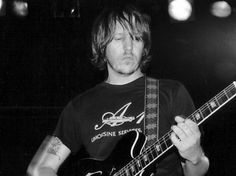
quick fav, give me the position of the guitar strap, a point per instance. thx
(151, 122)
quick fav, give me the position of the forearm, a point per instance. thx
(44, 171)
(196, 169)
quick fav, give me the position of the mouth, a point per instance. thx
(128, 57)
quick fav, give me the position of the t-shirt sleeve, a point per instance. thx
(183, 103)
(176, 100)
(67, 128)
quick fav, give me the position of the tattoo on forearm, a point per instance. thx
(54, 146)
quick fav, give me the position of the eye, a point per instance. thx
(137, 38)
(117, 38)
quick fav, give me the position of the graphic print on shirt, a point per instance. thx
(118, 118)
(115, 119)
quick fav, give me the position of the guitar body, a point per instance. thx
(130, 145)
(129, 158)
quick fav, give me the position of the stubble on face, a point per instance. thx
(124, 53)
(126, 66)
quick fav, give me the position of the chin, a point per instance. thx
(127, 71)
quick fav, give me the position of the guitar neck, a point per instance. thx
(210, 107)
(154, 151)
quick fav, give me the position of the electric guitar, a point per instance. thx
(130, 158)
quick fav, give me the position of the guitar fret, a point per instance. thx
(139, 164)
(159, 146)
(223, 98)
(127, 172)
(166, 146)
(164, 143)
(133, 169)
(198, 116)
(192, 117)
(205, 110)
(209, 107)
(217, 102)
(142, 162)
(150, 156)
(168, 142)
(136, 166)
(130, 169)
(213, 104)
(226, 94)
(154, 152)
(201, 114)
(145, 157)
(231, 92)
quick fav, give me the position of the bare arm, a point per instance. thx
(49, 157)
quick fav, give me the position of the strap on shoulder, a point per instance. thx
(151, 122)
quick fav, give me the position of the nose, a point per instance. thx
(128, 43)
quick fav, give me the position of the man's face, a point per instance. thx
(124, 52)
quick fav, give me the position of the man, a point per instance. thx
(98, 118)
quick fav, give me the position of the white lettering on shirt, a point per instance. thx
(118, 118)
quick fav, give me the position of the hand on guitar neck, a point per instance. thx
(186, 137)
(134, 159)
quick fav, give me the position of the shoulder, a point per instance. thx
(172, 90)
(169, 85)
(87, 96)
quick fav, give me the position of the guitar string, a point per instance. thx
(166, 137)
(147, 151)
(203, 108)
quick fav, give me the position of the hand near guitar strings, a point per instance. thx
(186, 137)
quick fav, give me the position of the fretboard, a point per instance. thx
(162, 145)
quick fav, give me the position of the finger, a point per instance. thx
(175, 140)
(190, 122)
(178, 132)
(179, 119)
(192, 125)
(185, 128)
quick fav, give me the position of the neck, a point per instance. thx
(121, 79)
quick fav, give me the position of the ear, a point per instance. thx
(144, 52)
(105, 59)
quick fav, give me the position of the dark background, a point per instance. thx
(44, 63)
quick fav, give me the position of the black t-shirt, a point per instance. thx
(99, 117)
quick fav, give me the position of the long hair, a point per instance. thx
(104, 27)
